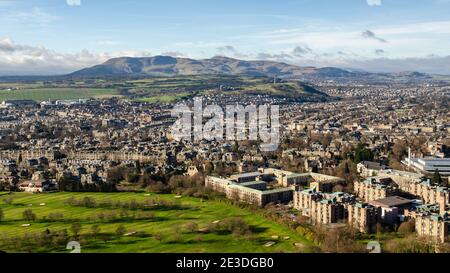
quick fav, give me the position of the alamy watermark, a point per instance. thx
(374, 247)
(236, 123)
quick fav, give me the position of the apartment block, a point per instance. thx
(362, 217)
(322, 182)
(250, 192)
(373, 188)
(433, 226)
(322, 208)
(326, 211)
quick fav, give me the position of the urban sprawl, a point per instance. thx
(377, 156)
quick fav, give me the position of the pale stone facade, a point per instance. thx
(372, 189)
(362, 217)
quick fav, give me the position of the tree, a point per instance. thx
(362, 154)
(75, 228)
(8, 200)
(437, 180)
(28, 215)
(407, 227)
(95, 230)
(65, 184)
(121, 230)
(346, 169)
(399, 149)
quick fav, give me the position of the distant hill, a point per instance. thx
(171, 66)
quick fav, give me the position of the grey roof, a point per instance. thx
(243, 175)
(373, 165)
(391, 201)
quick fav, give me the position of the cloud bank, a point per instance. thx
(19, 59)
(22, 59)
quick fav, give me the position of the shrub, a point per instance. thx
(28, 215)
(407, 227)
(121, 230)
(55, 216)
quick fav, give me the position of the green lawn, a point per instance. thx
(198, 211)
(42, 94)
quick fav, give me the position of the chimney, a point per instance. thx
(409, 157)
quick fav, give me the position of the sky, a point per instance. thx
(41, 37)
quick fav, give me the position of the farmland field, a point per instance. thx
(42, 94)
(155, 235)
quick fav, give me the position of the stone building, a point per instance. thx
(373, 188)
(362, 217)
(433, 226)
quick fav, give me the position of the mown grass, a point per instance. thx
(43, 94)
(195, 210)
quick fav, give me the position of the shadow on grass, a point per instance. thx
(191, 242)
(256, 229)
(131, 220)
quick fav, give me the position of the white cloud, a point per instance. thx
(399, 41)
(22, 59)
(18, 59)
(374, 2)
(73, 2)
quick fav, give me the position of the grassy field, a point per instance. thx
(42, 94)
(195, 210)
(164, 98)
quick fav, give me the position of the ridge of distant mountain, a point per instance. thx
(170, 66)
(219, 65)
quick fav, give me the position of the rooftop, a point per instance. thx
(391, 201)
(245, 175)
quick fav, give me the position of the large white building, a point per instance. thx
(430, 165)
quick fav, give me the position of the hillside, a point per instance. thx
(169, 66)
(165, 66)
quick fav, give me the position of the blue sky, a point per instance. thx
(57, 36)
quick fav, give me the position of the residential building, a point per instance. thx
(362, 217)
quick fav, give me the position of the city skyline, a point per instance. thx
(60, 36)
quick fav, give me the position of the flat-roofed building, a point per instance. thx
(433, 226)
(217, 184)
(303, 200)
(321, 182)
(326, 211)
(369, 168)
(362, 217)
(253, 192)
(246, 177)
(257, 197)
(404, 180)
(389, 208)
(374, 188)
(429, 193)
(286, 178)
(430, 165)
(321, 207)
(257, 185)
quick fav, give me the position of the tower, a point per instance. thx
(409, 157)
